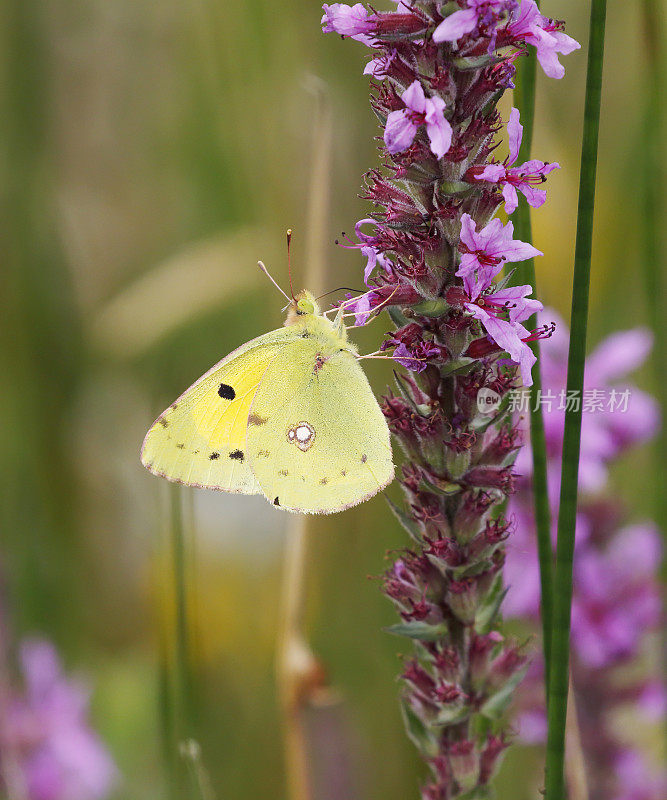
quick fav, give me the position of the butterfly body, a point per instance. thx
(289, 415)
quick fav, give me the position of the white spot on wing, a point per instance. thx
(302, 435)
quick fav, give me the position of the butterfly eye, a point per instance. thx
(305, 306)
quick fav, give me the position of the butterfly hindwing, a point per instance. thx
(317, 440)
(200, 439)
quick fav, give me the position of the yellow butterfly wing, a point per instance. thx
(200, 439)
(317, 440)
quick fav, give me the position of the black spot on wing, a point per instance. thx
(276, 502)
(214, 455)
(324, 481)
(180, 446)
(237, 455)
(364, 458)
(226, 391)
(163, 422)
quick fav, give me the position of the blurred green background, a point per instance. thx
(151, 153)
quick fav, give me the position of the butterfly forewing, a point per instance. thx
(317, 440)
(200, 439)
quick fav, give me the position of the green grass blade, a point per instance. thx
(560, 643)
(652, 180)
(184, 716)
(524, 100)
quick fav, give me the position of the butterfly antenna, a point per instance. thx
(341, 288)
(262, 266)
(289, 263)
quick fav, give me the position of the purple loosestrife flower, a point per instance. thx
(402, 125)
(60, 755)
(524, 178)
(478, 13)
(432, 260)
(501, 312)
(616, 603)
(486, 251)
(353, 21)
(545, 35)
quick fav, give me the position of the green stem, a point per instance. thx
(525, 102)
(650, 159)
(560, 643)
(184, 716)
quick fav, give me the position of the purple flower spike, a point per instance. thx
(353, 21)
(433, 251)
(525, 177)
(402, 125)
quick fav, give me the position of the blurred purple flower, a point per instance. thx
(609, 427)
(526, 177)
(637, 780)
(616, 601)
(402, 125)
(61, 756)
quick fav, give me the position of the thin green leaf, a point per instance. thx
(488, 610)
(417, 732)
(452, 714)
(650, 158)
(415, 629)
(407, 523)
(495, 706)
(560, 642)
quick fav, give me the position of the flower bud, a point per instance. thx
(464, 763)
(491, 758)
(462, 599)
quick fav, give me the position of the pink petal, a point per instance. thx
(439, 132)
(549, 62)
(535, 197)
(515, 134)
(565, 44)
(456, 25)
(619, 354)
(468, 230)
(469, 265)
(375, 67)
(492, 173)
(414, 97)
(511, 199)
(508, 336)
(361, 308)
(399, 131)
